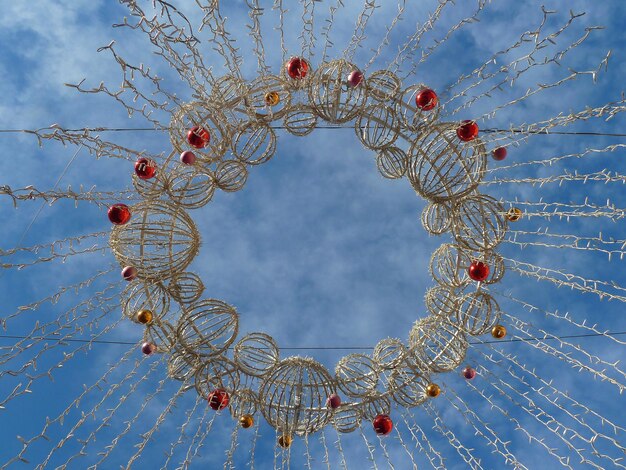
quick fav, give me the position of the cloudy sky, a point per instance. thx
(318, 250)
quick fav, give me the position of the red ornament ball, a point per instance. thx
(334, 401)
(145, 168)
(467, 131)
(382, 425)
(218, 399)
(198, 137)
(188, 157)
(469, 373)
(499, 154)
(119, 214)
(297, 68)
(148, 348)
(426, 99)
(355, 78)
(478, 271)
(129, 273)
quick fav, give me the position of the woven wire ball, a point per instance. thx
(392, 162)
(389, 353)
(209, 118)
(442, 301)
(331, 96)
(190, 186)
(268, 98)
(300, 120)
(478, 312)
(216, 373)
(230, 175)
(479, 223)
(412, 117)
(383, 85)
(256, 353)
(185, 288)
(436, 344)
(437, 218)
(243, 402)
(356, 375)
(140, 295)
(347, 417)
(441, 167)
(182, 366)
(293, 396)
(207, 327)
(254, 143)
(377, 126)
(407, 384)
(159, 240)
(448, 266)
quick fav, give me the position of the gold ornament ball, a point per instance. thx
(433, 390)
(498, 332)
(144, 316)
(246, 421)
(285, 441)
(272, 98)
(513, 214)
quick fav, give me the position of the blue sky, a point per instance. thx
(318, 249)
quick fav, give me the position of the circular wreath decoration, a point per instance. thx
(218, 140)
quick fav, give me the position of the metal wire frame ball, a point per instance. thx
(443, 168)
(160, 240)
(436, 344)
(293, 396)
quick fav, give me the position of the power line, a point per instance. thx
(325, 348)
(151, 129)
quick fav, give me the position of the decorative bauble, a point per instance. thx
(208, 116)
(246, 421)
(198, 137)
(382, 425)
(188, 157)
(119, 214)
(440, 169)
(478, 271)
(144, 316)
(285, 441)
(145, 168)
(129, 273)
(433, 390)
(355, 78)
(467, 131)
(469, 373)
(218, 399)
(293, 396)
(498, 331)
(297, 68)
(272, 98)
(148, 348)
(426, 99)
(162, 239)
(513, 214)
(499, 154)
(334, 401)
